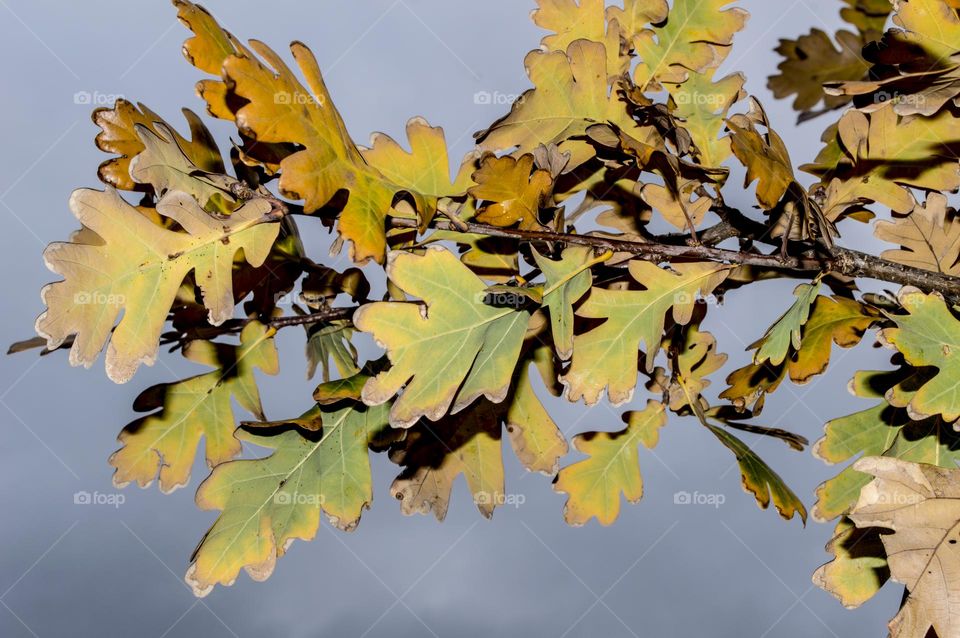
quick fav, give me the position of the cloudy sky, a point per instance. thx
(663, 569)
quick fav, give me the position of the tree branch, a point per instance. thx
(329, 314)
(841, 261)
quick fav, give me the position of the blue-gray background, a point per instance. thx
(87, 570)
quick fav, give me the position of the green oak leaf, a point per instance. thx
(929, 335)
(606, 356)
(267, 503)
(568, 279)
(785, 332)
(448, 352)
(164, 443)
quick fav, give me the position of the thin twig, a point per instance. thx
(329, 314)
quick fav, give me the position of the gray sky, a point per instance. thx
(662, 569)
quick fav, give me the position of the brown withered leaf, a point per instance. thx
(764, 155)
(921, 504)
(917, 67)
(881, 155)
(814, 60)
(513, 194)
(929, 237)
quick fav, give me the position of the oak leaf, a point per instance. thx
(571, 94)
(568, 279)
(882, 430)
(513, 194)
(919, 504)
(134, 268)
(785, 332)
(446, 353)
(696, 36)
(929, 237)
(929, 335)
(118, 135)
(435, 454)
(859, 567)
(163, 444)
(595, 484)
(879, 156)
(265, 504)
(606, 356)
(759, 480)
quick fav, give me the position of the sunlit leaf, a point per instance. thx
(929, 335)
(595, 484)
(480, 343)
(135, 269)
(163, 444)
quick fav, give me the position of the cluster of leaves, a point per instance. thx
(578, 249)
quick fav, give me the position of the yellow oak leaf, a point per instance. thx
(434, 455)
(134, 267)
(695, 37)
(513, 194)
(859, 567)
(425, 168)
(118, 135)
(571, 94)
(164, 443)
(594, 485)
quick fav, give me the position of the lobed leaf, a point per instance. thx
(133, 267)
